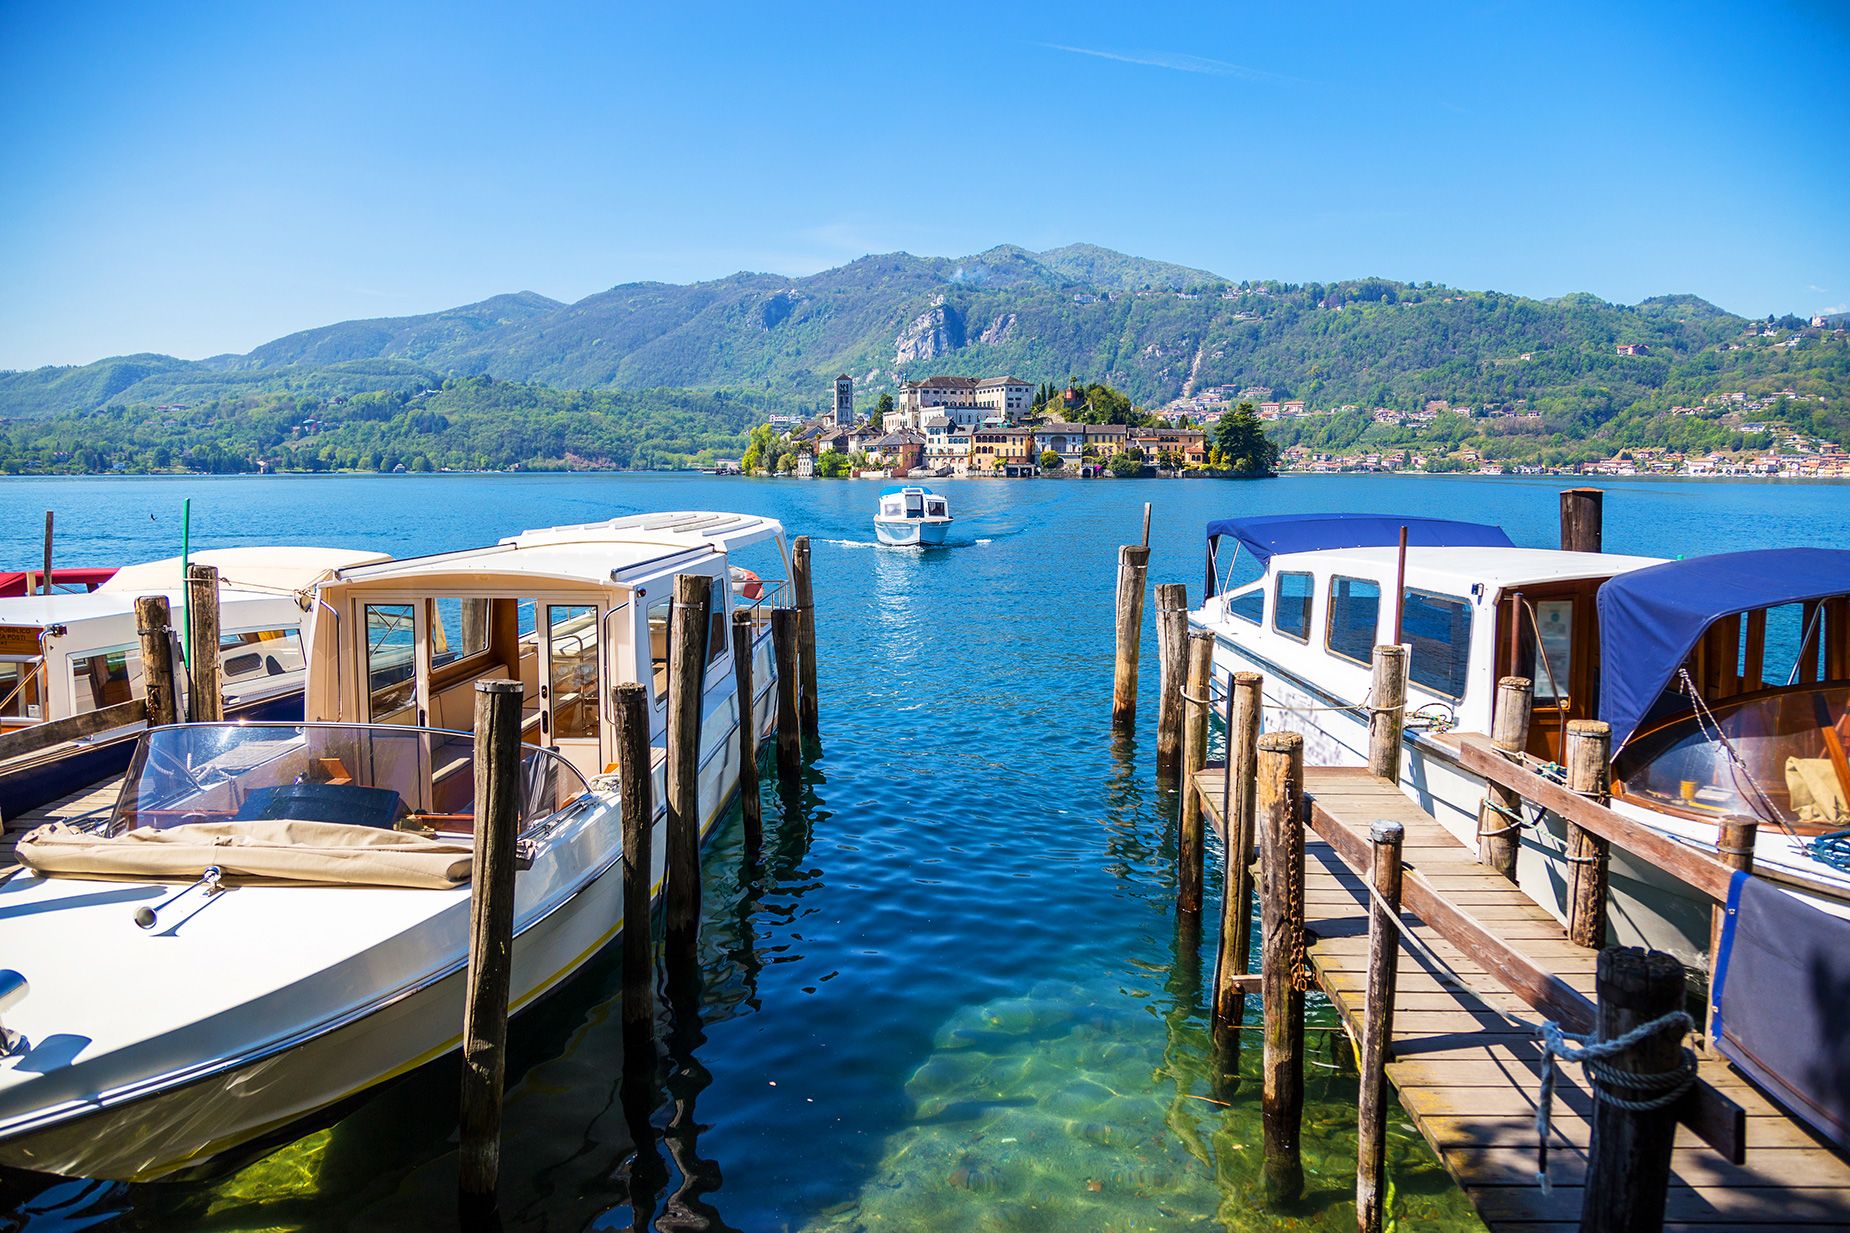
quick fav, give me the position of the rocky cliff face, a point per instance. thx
(998, 331)
(937, 331)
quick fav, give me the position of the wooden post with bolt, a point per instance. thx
(1499, 842)
(491, 936)
(1378, 1029)
(1387, 712)
(687, 670)
(1191, 848)
(751, 804)
(1588, 741)
(1133, 566)
(789, 735)
(206, 698)
(1279, 810)
(1628, 1160)
(636, 781)
(1171, 645)
(801, 582)
(152, 617)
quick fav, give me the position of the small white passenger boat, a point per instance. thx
(275, 917)
(911, 515)
(71, 653)
(1726, 682)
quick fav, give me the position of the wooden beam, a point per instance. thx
(57, 731)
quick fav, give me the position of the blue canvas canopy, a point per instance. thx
(1268, 535)
(1650, 619)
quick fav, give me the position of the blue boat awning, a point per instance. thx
(1268, 535)
(1652, 618)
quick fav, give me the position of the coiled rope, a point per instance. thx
(1632, 1090)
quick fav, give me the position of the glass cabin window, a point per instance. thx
(1250, 606)
(1355, 618)
(716, 622)
(660, 613)
(1554, 665)
(105, 677)
(253, 654)
(19, 689)
(571, 652)
(391, 660)
(1291, 612)
(458, 629)
(1437, 629)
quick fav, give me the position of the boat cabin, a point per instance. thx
(567, 611)
(912, 502)
(1314, 594)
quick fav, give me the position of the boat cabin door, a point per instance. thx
(1549, 634)
(571, 682)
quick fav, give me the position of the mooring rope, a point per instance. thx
(1632, 1090)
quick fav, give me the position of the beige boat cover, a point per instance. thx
(281, 850)
(1817, 794)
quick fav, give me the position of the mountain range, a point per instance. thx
(1154, 329)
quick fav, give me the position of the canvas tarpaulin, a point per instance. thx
(1782, 982)
(283, 850)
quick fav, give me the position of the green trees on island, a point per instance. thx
(1240, 445)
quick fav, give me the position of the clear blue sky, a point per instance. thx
(200, 178)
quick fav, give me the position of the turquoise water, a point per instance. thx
(953, 995)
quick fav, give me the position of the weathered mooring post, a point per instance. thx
(1734, 845)
(491, 936)
(1499, 841)
(1171, 645)
(687, 669)
(151, 625)
(1581, 519)
(1378, 1029)
(1588, 741)
(1133, 566)
(751, 804)
(801, 581)
(1628, 1161)
(636, 781)
(789, 735)
(1280, 797)
(206, 698)
(1387, 711)
(1191, 848)
(1237, 888)
(45, 578)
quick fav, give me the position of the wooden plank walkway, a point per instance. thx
(98, 796)
(1469, 1078)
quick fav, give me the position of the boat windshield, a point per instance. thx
(391, 777)
(1791, 745)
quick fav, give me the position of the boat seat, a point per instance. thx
(346, 803)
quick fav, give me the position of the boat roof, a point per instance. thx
(896, 489)
(594, 552)
(73, 609)
(16, 582)
(273, 568)
(1268, 535)
(1458, 569)
(1659, 614)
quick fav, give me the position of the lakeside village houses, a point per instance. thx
(963, 426)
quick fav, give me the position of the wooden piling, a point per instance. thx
(687, 670)
(1237, 888)
(800, 579)
(491, 935)
(1146, 523)
(1133, 565)
(1387, 711)
(1588, 741)
(152, 617)
(636, 781)
(1172, 645)
(1581, 518)
(751, 805)
(1498, 840)
(789, 737)
(45, 578)
(1628, 1162)
(206, 698)
(1734, 845)
(1378, 1030)
(1190, 847)
(1279, 810)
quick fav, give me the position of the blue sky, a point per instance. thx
(200, 178)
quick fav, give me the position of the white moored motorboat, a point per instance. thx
(1725, 680)
(911, 516)
(274, 917)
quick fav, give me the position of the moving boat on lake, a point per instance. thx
(1678, 657)
(275, 917)
(912, 515)
(72, 653)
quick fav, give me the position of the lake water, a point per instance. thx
(952, 996)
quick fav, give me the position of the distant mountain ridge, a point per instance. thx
(1156, 329)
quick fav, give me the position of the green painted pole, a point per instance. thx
(186, 554)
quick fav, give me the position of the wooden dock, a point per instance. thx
(96, 798)
(1467, 1070)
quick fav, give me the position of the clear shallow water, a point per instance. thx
(953, 994)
